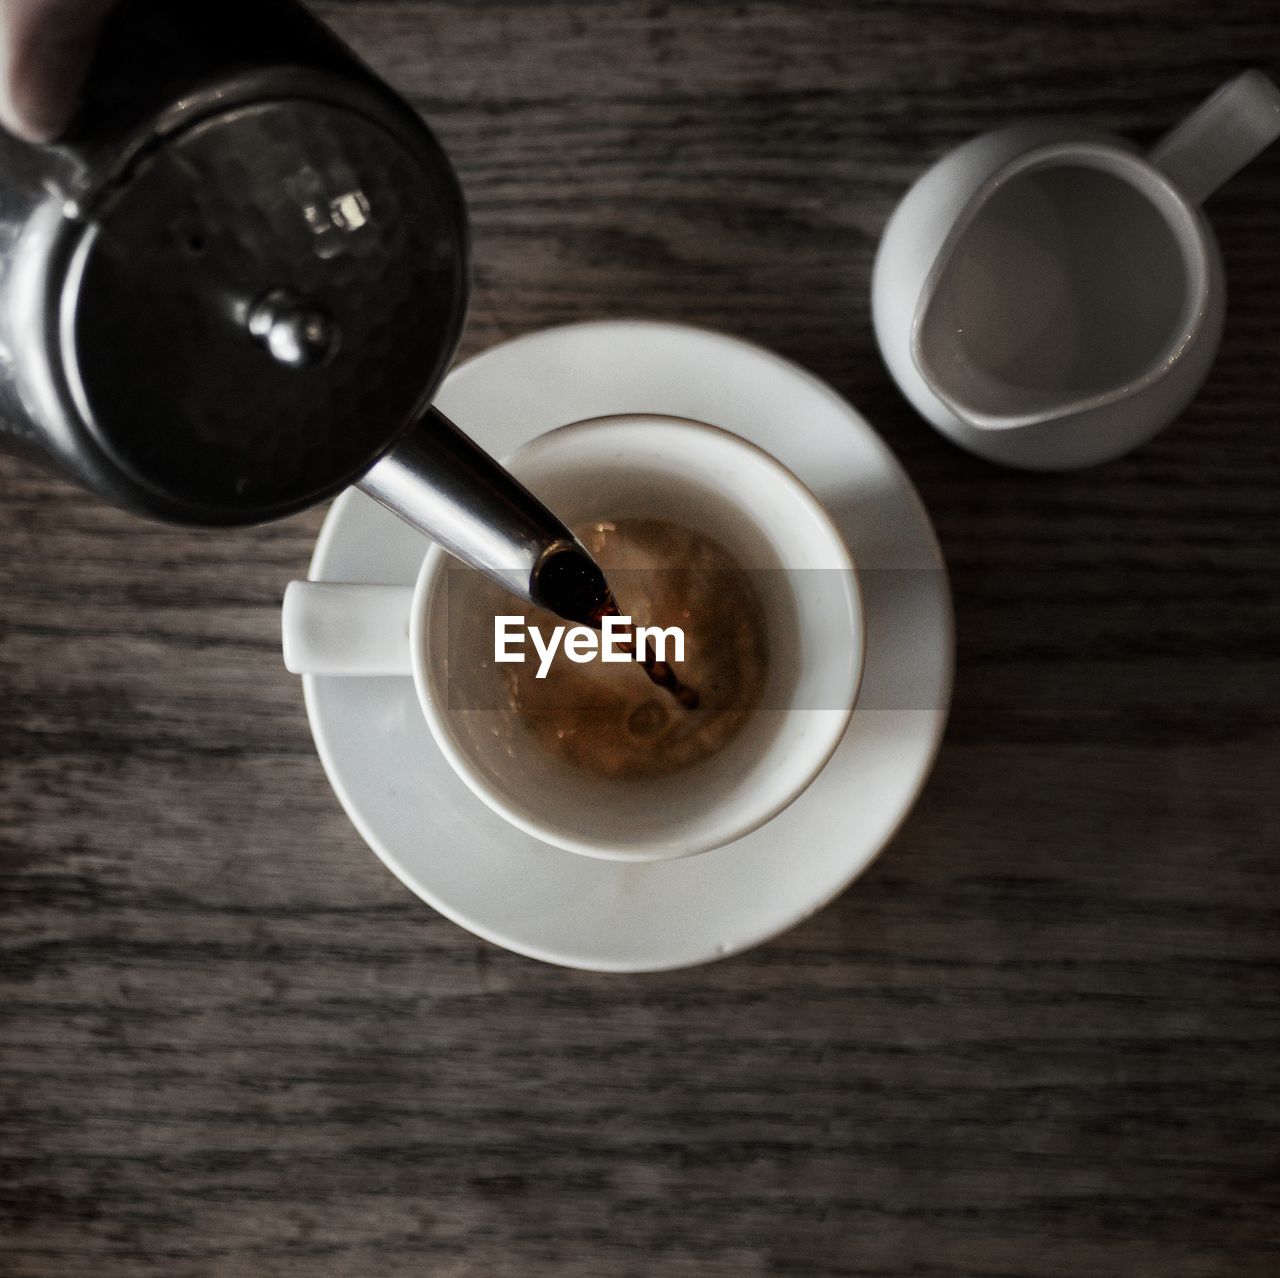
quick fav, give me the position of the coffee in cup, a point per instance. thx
(616, 718)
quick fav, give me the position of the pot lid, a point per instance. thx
(262, 304)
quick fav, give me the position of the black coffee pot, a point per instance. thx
(232, 288)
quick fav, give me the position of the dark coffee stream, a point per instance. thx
(570, 584)
(659, 672)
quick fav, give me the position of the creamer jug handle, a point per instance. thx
(1223, 134)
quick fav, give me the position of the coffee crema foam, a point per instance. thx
(609, 719)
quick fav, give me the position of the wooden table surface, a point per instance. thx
(1040, 1037)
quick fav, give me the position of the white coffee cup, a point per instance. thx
(706, 480)
(1049, 298)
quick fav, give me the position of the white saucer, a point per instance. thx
(461, 858)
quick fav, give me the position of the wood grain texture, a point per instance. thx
(1040, 1038)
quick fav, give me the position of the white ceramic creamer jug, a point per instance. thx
(1051, 298)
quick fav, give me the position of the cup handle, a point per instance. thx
(1226, 131)
(332, 629)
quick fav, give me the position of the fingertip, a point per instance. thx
(35, 105)
(30, 129)
(45, 50)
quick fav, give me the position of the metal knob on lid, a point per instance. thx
(298, 334)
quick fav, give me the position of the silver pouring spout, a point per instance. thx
(440, 481)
